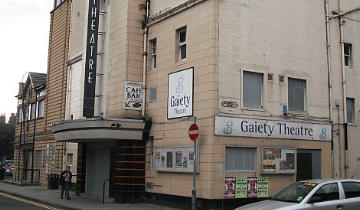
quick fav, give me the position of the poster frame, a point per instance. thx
(277, 162)
(174, 167)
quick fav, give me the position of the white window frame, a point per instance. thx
(262, 91)
(33, 113)
(242, 170)
(348, 55)
(181, 44)
(305, 95)
(153, 53)
(353, 111)
(151, 99)
(38, 109)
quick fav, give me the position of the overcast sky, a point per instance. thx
(24, 39)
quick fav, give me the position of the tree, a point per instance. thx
(7, 137)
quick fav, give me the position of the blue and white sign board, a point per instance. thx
(228, 126)
(181, 93)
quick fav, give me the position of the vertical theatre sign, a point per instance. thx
(181, 93)
(90, 60)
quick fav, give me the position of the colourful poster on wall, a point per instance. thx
(230, 187)
(262, 187)
(241, 188)
(178, 159)
(252, 187)
(246, 187)
(278, 160)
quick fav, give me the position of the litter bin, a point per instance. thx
(53, 181)
(2, 173)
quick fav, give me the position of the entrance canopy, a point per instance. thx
(98, 129)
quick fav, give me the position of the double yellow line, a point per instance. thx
(28, 201)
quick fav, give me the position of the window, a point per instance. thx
(69, 159)
(351, 189)
(153, 94)
(253, 88)
(327, 192)
(348, 55)
(153, 53)
(20, 114)
(240, 159)
(40, 110)
(296, 94)
(33, 111)
(27, 112)
(57, 2)
(181, 37)
(350, 110)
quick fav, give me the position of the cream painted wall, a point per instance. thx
(125, 54)
(75, 91)
(201, 27)
(346, 163)
(276, 37)
(77, 28)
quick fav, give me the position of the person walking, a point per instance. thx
(65, 181)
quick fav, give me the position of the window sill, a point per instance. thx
(180, 62)
(298, 112)
(352, 124)
(259, 109)
(241, 171)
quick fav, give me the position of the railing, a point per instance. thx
(30, 175)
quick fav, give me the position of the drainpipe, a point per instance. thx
(21, 130)
(33, 140)
(146, 28)
(343, 75)
(328, 60)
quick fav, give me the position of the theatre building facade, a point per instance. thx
(141, 72)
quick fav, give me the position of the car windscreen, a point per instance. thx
(294, 193)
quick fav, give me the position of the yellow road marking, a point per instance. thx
(28, 201)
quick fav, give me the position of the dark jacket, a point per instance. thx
(62, 177)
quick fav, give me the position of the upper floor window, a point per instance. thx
(350, 110)
(57, 2)
(32, 111)
(296, 94)
(252, 89)
(153, 94)
(181, 42)
(40, 109)
(348, 55)
(153, 53)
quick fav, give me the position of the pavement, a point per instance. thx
(52, 198)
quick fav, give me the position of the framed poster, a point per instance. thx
(278, 160)
(175, 159)
(181, 93)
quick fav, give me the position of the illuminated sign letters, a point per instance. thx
(90, 60)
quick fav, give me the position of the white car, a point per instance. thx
(328, 194)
